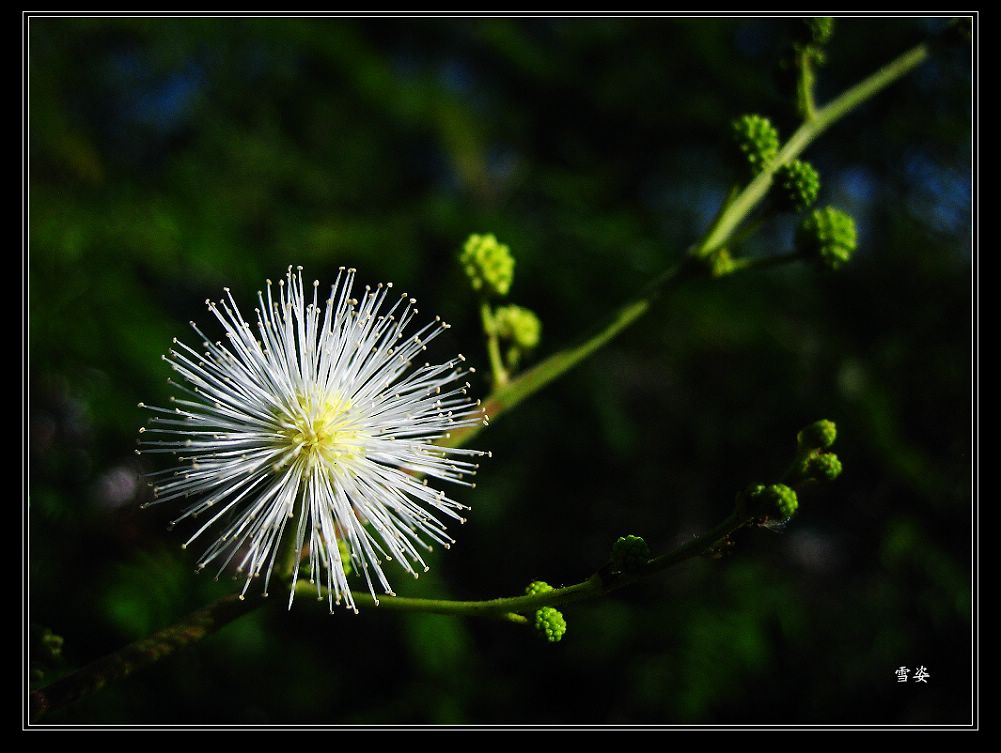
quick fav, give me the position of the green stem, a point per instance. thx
(823, 119)
(209, 619)
(804, 86)
(529, 382)
(122, 663)
(497, 370)
(512, 608)
(736, 209)
(763, 262)
(505, 608)
(731, 195)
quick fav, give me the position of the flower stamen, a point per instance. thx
(319, 416)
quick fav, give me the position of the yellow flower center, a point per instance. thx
(324, 432)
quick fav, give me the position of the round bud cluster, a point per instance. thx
(488, 264)
(780, 500)
(824, 466)
(758, 140)
(630, 553)
(537, 587)
(768, 501)
(819, 435)
(827, 235)
(800, 184)
(550, 624)
(814, 462)
(519, 325)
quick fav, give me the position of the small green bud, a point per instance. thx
(550, 624)
(827, 235)
(488, 264)
(820, 29)
(519, 325)
(537, 587)
(630, 553)
(800, 184)
(773, 500)
(822, 466)
(758, 140)
(780, 500)
(817, 436)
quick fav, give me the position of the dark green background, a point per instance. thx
(169, 158)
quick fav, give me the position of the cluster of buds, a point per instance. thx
(489, 265)
(758, 139)
(799, 182)
(814, 463)
(629, 554)
(828, 236)
(549, 621)
(814, 460)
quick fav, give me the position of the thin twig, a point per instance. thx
(93, 677)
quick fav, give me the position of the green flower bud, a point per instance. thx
(550, 624)
(820, 29)
(780, 500)
(817, 436)
(630, 553)
(519, 325)
(822, 466)
(827, 235)
(800, 184)
(758, 140)
(771, 501)
(537, 587)
(488, 264)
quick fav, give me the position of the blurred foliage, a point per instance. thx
(171, 157)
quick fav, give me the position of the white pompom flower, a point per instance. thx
(315, 424)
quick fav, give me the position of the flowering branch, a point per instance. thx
(812, 463)
(601, 583)
(813, 127)
(759, 504)
(698, 263)
(734, 211)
